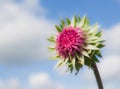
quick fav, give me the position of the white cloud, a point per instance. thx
(1, 84)
(10, 84)
(22, 34)
(109, 67)
(37, 80)
(33, 5)
(13, 84)
(43, 81)
(34, 81)
(112, 36)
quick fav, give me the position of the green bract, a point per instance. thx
(91, 49)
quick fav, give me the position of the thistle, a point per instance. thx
(77, 44)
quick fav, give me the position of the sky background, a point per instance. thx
(24, 58)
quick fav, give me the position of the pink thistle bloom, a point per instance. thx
(70, 41)
(77, 43)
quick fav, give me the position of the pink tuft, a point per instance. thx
(70, 41)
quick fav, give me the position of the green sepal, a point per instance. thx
(61, 26)
(58, 28)
(88, 62)
(79, 19)
(77, 67)
(70, 66)
(55, 57)
(95, 58)
(51, 39)
(91, 41)
(62, 23)
(85, 53)
(66, 60)
(102, 41)
(73, 62)
(51, 48)
(68, 21)
(98, 53)
(80, 59)
(92, 38)
(101, 46)
(94, 29)
(92, 47)
(99, 34)
(74, 21)
(82, 22)
(86, 23)
(60, 63)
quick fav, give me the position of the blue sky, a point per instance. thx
(105, 12)
(24, 58)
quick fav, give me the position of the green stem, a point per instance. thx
(97, 76)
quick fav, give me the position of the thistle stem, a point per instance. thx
(97, 76)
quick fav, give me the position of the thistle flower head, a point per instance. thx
(69, 42)
(77, 43)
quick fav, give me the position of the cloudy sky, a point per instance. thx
(24, 58)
